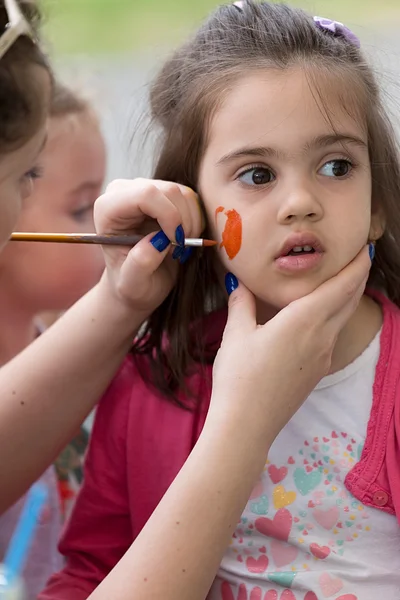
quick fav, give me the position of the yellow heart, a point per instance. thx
(283, 498)
(335, 531)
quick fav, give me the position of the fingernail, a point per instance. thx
(180, 236)
(231, 283)
(186, 254)
(371, 249)
(178, 252)
(160, 241)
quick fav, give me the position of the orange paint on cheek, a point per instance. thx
(232, 234)
(218, 210)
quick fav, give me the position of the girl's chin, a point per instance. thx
(278, 301)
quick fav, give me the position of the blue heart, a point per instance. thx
(306, 482)
(284, 579)
(261, 506)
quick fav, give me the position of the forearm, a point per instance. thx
(49, 389)
(188, 533)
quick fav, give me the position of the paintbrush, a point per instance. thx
(93, 238)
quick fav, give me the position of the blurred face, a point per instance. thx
(18, 168)
(289, 196)
(54, 276)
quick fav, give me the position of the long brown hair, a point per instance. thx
(21, 98)
(184, 97)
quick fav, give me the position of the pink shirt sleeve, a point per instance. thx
(99, 531)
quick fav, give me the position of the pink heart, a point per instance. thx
(336, 451)
(338, 478)
(242, 592)
(255, 594)
(310, 596)
(315, 448)
(282, 553)
(320, 552)
(336, 470)
(330, 585)
(271, 595)
(348, 597)
(326, 518)
(227, 594)
(277, 475)
(257, 565)
(279, 527)
(335, 444)
(257, 491)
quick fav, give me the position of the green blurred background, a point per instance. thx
(113, 26)
(113, 48)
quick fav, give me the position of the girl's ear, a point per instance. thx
(377, 227)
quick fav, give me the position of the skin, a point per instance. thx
(301, 193)
(36, 277)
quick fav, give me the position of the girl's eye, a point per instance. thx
(34, 173)
(257, 176)
(83, 213)
(336, 168)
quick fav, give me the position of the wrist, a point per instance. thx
(233, 439)
(120, 315)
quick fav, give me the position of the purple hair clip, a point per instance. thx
(239, 5)
(338, 29)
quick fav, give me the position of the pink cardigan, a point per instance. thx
(140, 441)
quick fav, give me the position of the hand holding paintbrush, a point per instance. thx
(143, 275)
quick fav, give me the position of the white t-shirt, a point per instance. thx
(303, 536)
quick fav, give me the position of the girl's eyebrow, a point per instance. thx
(322, 141)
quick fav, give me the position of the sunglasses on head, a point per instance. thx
(17, 25)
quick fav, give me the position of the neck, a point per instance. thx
(17, 327)
(353, 339)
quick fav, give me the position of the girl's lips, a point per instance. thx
(300, 263)
(300, 240)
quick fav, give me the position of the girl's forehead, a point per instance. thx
(284, 108)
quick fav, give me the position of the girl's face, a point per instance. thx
(54, 276)
(287, 191)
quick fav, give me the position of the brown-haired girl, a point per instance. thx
(275, 118)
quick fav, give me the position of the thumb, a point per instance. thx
(241, 306)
